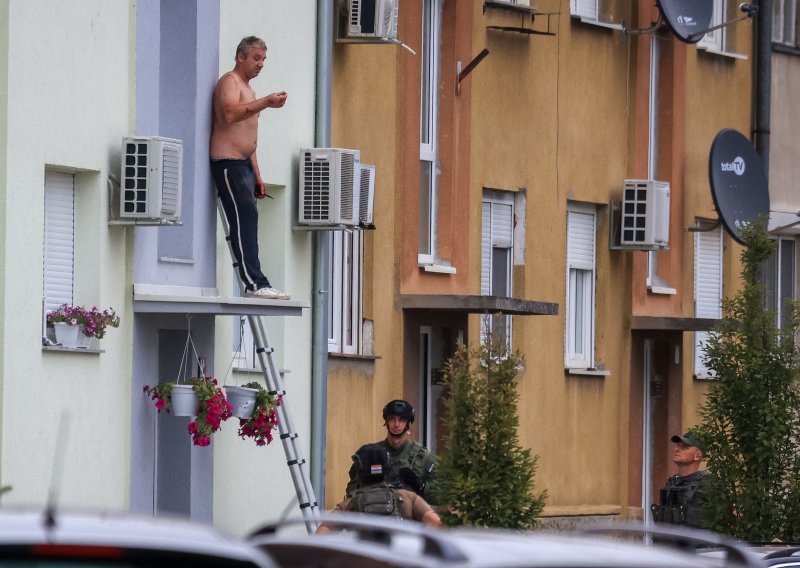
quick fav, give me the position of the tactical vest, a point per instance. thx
(377, 500)
(675, 506)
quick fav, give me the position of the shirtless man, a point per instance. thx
(234, 165)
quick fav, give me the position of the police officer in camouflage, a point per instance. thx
(684, 495)
(411, 465)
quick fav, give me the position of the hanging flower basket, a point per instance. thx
(199, 397)
(264, 418)
(242, 400)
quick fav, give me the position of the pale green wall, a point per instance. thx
(67, 107)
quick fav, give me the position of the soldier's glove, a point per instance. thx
(410, 479)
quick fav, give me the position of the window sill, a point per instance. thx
(589, 372)
(353, 356)
(438, 268)
(58, 349)
(600, 23)
(714, 51)
(663, 290)
(787, 49)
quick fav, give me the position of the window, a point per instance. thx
(579, 340)
(779, 279)
(345, 286)
(59, 239)
(722, 40)
(707, 290)
(428, 137)
(606, 13)
(497, 243)
(785, 22)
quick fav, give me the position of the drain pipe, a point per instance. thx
(763, 62)
(319, 321)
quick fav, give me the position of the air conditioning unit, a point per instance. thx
(151, 178)
(645, 214)
(329, 188)
(372, 19)
(366, 198)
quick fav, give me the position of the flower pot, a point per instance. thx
(243, 401)
(184, 401)
(66, 334)
(84, 341)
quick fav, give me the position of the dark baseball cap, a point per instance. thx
(689, 438)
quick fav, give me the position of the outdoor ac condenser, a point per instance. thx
(329, 188)
(151, 179)
(372, 19)
(366, 197)
(645, 214)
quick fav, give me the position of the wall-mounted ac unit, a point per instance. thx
(372, 19)
(151, 179)
(366, 197)
(645, 214)
(329, 188)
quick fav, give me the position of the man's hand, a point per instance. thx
(410, 479)
(260, 190)
(276, 100)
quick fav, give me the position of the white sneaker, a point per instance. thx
(267, 294)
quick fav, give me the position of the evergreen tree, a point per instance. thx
(484, 476)
(751, 416)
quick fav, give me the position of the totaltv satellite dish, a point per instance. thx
(738, 182)
(688, 19)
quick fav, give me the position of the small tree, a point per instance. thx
(484, 476)
(750, 420)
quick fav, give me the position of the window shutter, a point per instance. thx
(59, 239)
(584, 8)
(486, 249)
(580, 240)
(502, 225)
(707, 288)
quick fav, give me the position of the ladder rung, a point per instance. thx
(235, 265)
(228, 238)
(265, 350)
(279, 393)
(291, 435)
(307, 505)
(295, 462)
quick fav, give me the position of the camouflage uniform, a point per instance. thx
(682, 500)
(411, 455)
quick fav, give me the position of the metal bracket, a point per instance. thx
(462, 74)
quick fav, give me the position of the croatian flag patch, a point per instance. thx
(376, 469)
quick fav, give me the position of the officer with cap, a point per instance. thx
(411, 465)
(684, 495)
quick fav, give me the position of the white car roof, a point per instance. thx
(25, 526)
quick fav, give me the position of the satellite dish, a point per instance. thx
(738, 182)
(688, 19)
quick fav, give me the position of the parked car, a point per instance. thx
(777, 555)
(368, 540)
(45, 539)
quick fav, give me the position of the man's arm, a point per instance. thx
(232, 110)
(353, 484)
(260, 191)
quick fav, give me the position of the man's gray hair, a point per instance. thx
(250, 42)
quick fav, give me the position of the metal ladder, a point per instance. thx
(288, 435)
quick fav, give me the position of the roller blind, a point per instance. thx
(707, 289)
(59, 239)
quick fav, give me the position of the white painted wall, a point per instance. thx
(252, 485)
(69, 100)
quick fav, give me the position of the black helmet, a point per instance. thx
(372, 461)
(399, 408)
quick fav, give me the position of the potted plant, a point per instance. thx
(210, 405)
(264, 419)
(75, 325)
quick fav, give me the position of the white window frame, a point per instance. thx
(588, 12)
(581, 273)
(708, 277)
(497, 231)
(345, 302)
(778, 278)
(716, 41)
(785, 22)
(429, 129)
(59, 240)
